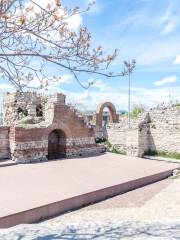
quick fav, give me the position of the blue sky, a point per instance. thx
(147, 30)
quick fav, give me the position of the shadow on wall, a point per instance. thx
(146, 144)
(151, 143)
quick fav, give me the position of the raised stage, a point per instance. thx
(33, 192)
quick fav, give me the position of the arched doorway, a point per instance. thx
(56, 144)
(99, 113)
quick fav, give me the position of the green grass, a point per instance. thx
(113, 149)
(176, 104)
(136, 111)
(164, 154)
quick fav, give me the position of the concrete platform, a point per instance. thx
(33, 192)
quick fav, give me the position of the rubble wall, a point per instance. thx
(162, 133)
(4, 143)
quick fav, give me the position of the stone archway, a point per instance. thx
(99, 113)
(56, 144)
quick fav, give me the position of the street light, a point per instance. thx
(129, 67)
(129, 101)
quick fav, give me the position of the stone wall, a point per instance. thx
(34, 151)
(4, 143)
(17, 105)
(117, 137)
(162, 133)
(132, 141)
(165, 129)
(29, 143)
(100, 132)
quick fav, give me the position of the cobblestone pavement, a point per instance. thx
(151, 212)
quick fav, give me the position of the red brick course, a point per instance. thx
(66, 120)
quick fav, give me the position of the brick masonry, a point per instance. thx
(28, 141)
(26, 138)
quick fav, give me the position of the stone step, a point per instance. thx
(7, 162)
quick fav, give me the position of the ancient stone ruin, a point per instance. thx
(39, 128)
(155, 130)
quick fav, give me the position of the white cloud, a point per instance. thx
(99, 84)
(169, 26)
(155, 53)
(5, 87)
(65, 79)
(54, 84)
(177, 60)
(144, 29)
(166, 16)
(74, 22)
(119, 97)
(89, 99)
(96, 8)
(166, 80)
(169, 20)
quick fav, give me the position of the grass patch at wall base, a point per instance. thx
(165, 154)
(113, 149)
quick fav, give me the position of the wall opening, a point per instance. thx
(39, 110)
(105, 114)
(56, 144)
(22, 112)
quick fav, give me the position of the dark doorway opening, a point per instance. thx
(56, 144)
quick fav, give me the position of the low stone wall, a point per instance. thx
(85, 146)
(165, 140)
(162, 133)
(36, 151)
(117, 137)
(26, 152)
(4, 143)
(88, 150)
(131, 142)
(100, 132)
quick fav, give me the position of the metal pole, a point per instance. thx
(2, 109)
(129, 103)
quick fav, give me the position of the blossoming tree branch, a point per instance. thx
(32, 36)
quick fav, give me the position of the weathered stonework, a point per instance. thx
(38, 126)
(4, 143)
(161, 133)
(60, 132)
(17, 105)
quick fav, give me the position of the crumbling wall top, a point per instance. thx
(58, 98)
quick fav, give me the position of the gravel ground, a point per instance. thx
(95, 230)
(151, 212)
(150, 203)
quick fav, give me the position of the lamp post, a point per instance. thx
(129, 67)
(129, 101)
